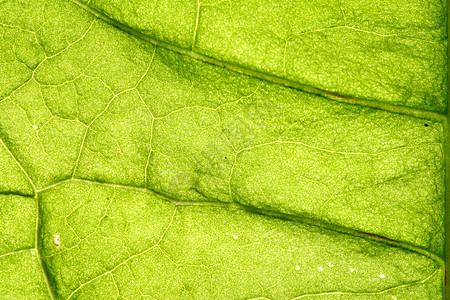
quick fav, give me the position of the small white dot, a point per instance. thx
(320, 269)
(235, 237)
(331, 265)
(56, 240)
(297, 267)
(382, 276)
(352, 270)
(393, 297)
(35, 126)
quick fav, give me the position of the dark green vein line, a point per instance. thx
(447, 180)
(8, 193)
(267, 213)
(447, 203)
(38, 251)
(267, 77)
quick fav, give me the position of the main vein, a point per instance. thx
(268, 77)
(269, 213)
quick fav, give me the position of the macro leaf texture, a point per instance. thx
(226, 149)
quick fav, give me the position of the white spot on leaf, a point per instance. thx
(235, 237)
(382, 276)
(297, 267)
(35, 126)
(320, 269)
(57, 240)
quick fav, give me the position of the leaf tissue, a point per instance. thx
(223, 149)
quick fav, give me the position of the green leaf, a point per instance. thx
(227, 150)
(388, 51)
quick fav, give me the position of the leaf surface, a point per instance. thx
(167, 177)
(388, 51)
